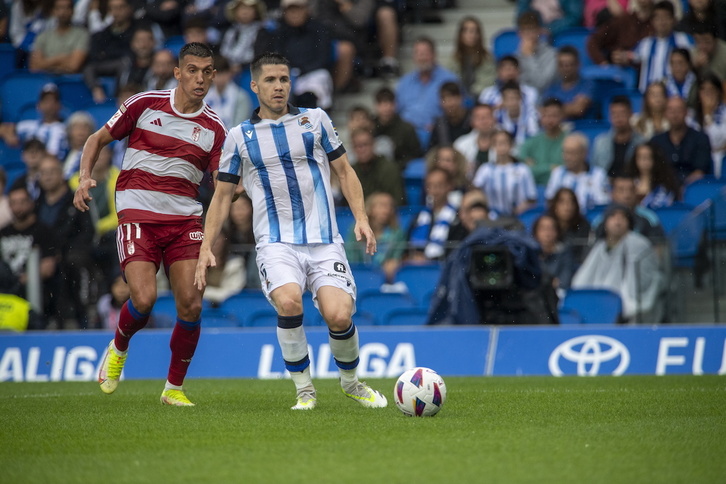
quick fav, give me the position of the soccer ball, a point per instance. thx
(420, 392)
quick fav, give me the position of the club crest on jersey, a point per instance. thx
(196, 132)
(305, 122)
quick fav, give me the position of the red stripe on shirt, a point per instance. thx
(136, 179)
(168, 147)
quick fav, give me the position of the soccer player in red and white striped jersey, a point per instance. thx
(173, 139)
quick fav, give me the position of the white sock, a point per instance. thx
(345, 348)
(302, 380)
(169, 386)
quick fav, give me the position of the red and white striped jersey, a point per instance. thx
(167, 155)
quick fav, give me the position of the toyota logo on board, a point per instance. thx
(589, 353)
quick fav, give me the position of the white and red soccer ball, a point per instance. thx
(420, 392)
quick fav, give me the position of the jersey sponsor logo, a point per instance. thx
(305, 122)
(196, 132)
(156, 122)
(248, 134)
(339, 267)
(115, 118)
(196, 235)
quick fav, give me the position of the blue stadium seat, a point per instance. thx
(311, 315)
(217, 318)
(406, 213)
(345, 219)
(714, 189)
(413, 176)
(406, 317)
(244, 303)
(595, 214)
(7, 60)
(18, 89)
(10, 157)
(528, 217)
(577, 38)
(505, 42)
(101, 113)
(74, 93)
(243, 80)
(13, 174)
(595, 306)
(684, 226)
(263, 318)
(174, 44)
(367, 277)
(163, 314)
(569, 316)
(379, 304)
(622, 77)
(419, 278)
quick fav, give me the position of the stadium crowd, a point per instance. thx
(574, 143)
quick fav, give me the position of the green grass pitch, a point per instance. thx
(508, 430)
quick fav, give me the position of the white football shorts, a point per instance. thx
(310, 266)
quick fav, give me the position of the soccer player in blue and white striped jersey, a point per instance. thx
(284, 156)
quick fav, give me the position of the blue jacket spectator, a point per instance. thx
(575, 93)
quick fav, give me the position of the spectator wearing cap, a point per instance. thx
(48, 127)
(63, 48)
(308, 45)
(246, 17)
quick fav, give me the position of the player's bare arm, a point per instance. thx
(216, 215)
(91, 149)
(353, 193)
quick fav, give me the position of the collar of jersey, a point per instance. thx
(255, 118)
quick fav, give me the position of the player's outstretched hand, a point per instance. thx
(206, 259)
(83, 194)
(362, 229)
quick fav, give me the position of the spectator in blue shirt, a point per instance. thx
(418, 91)
(575, 93)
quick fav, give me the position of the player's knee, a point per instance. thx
(346, 49)
(143, 303)
(338, 321)
(289, 306)
(190, 311)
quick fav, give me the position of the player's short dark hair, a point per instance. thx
(621, 100)
(450, 88)
(267, 59)
(666, 6)
(385, 94)
(197, 49)
(552, 101)
(510, 59)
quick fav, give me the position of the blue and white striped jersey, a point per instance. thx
(591, 187)
(285, 169)
(506, 185)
